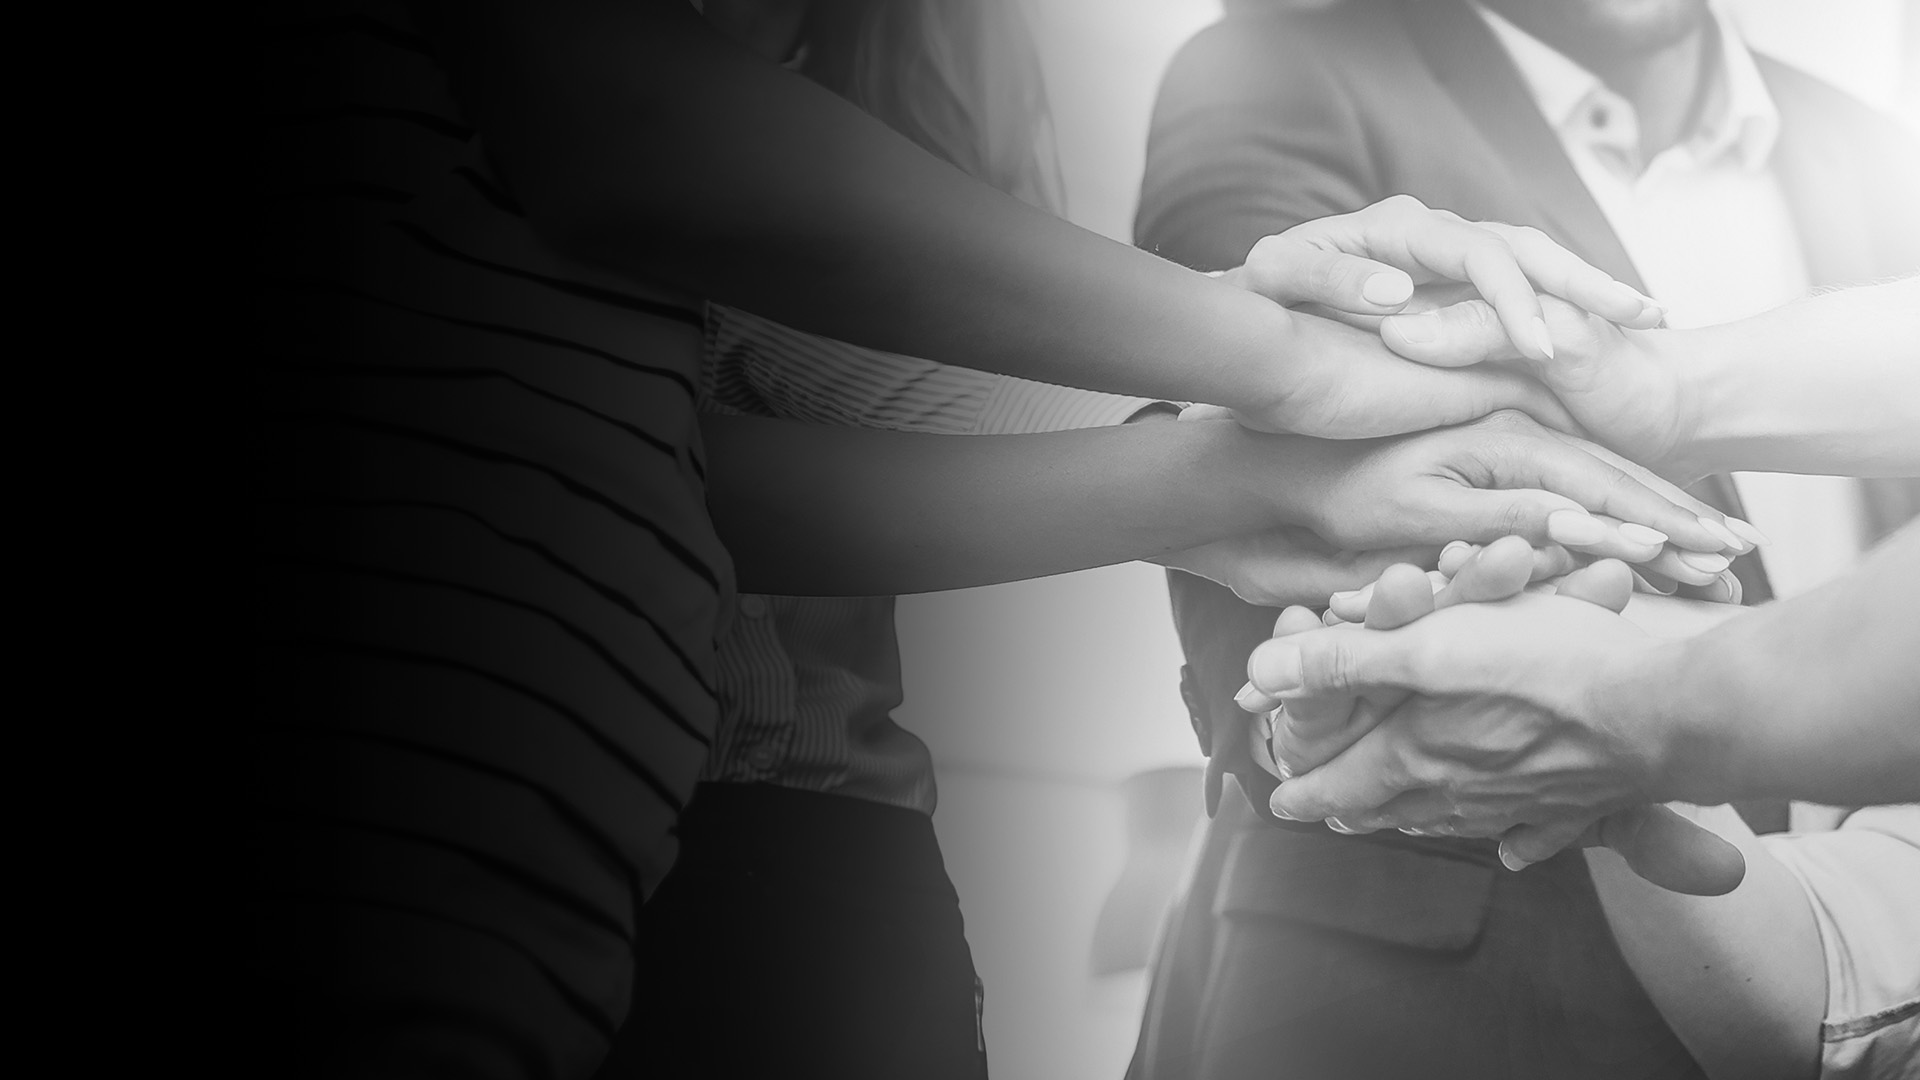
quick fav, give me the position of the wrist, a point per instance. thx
(1255, 378)
(1273, 476)
(1654, 694)
(1708, 400)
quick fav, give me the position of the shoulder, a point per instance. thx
(1800, 94)
(1265, 51)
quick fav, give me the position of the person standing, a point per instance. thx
(1651, 142)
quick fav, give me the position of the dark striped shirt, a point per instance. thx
(487, 589)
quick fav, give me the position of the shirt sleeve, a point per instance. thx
(757, 367)
(1863, 883)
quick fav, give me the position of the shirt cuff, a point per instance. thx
(1022, 406)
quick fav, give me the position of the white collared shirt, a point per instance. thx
(1710, 230)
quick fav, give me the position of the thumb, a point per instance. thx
(1290, 271)
(1457, 335)
(1337, 660)
(1672, 851)
(1483, 515)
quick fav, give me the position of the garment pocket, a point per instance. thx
(1399, 895)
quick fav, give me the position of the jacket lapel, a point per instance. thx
(1476, 72)
(1818, 170)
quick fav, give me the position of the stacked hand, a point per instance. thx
(1507, 737)
(1503, 460)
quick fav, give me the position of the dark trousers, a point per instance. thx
(802, 935)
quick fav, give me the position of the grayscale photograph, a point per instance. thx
(1084, 540)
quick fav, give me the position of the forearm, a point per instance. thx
(829, 511)
(1829, 384)
(1740, 978)
(1814, 698)
(637, 138)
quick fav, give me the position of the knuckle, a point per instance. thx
(1527, 234)
(1327, 663)
(1329, 276)
(1402, 203)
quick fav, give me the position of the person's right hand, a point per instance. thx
(1398, 257)
(1660, 845)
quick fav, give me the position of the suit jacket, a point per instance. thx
(1268, 119)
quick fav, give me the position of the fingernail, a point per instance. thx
(1275, 667)
(1285, 770)
(1274, 807)
(1387, 289)
(1411, 831)
(1330, 619)
(1723, 534)
(1344, 594)
(1640, 534)
(1418, 329)
(1455, 545)
(1541, 338)
(1335, 824)
(1574, 527)
(1436, 579)
(1745, 531)
(1246, 696)
(1704, 562)
(1735, 591)
(1511, 861)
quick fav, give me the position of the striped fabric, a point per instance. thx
(807, 685)
(487, 589)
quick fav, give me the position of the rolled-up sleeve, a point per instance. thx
(1863, 883)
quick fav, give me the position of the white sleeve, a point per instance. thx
(1863, 882)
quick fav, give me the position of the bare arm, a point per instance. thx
(1816, 697)
(816, 510)
(1828, 384)
(639, 139)
(1740, 977)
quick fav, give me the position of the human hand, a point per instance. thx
(1513, 748)
(1501, 475)
(1289, 565)
(1627, 388)
(1399, 256)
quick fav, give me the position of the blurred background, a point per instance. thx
(1081, 717)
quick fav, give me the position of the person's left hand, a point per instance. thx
(1486, 719)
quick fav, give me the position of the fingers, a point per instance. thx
(1457, 335)
(1706, 530)
(1524, 845)
(1356, 781)
(1607, 583)
(1725, 588)
(1495, 572)
(1402, 595)
(1672, 851)
(1560, 272)
(1687, 567)
(1290, 270)
(1628, 496)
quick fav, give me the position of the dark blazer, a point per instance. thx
(1267, 119)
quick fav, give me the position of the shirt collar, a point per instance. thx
(1740, 118)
